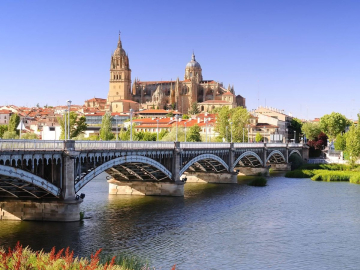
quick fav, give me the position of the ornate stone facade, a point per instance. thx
(178, 94)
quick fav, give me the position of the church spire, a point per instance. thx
(193, 56)
(119, 42)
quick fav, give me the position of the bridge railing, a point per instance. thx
(276, 145)
(201, 145)
(124, 145)
(29, 145)
(248, 145)
(296, 144)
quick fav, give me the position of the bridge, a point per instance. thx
(42, 180)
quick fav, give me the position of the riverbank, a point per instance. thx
(327, 172)
(25, 258)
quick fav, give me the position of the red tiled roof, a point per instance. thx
(96, 99)
(228, 94)
(124, 100)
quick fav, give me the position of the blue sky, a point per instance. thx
(300, 56)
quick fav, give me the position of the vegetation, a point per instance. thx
(239, 118)
(258, 137)
(77, 125)
(185, 116)
(171, 136)
(194, 109)
(258, 182)
(340, 142)
(311, 130)
(352, 143)
(3, 129)
(105, 133)
(10, 135)
(24, 258)
(13, 123)
(296, 125)
(29, 136)
(333, 124)
(194, 134)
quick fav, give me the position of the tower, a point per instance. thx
(120, 75)
(193, 70)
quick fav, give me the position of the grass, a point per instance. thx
(24, 258)
(327, 172)
(258, 182)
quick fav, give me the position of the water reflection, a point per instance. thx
(290, 224)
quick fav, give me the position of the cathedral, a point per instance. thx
(178, 94)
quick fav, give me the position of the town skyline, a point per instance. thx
(291, 57)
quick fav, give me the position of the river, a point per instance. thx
(289, 224)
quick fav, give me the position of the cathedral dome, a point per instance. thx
(193, 63)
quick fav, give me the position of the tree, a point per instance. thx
(185, 116)
(171, 136)
(194, 109)
(173, 106)
(105, 133)
(10, 135)
(239, 117)
(3, 129)
(194, 134)
(77, 125)
(258, 137)
(14, 122)
(333, 124)
(29, 136)
(311, 130)
(222, 123)
(353, 143)
(296, 125)
(170, 114)
(162, 134)
(340, 142)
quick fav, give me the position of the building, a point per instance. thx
(178, 94)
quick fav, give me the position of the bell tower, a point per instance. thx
(120, 75)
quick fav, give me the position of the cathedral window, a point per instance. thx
(117, 93)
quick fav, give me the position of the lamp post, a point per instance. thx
(294, 136)
(206, 131)
(157, 129)
(176, 118)
(69, 105)
(286, 135)
(65, 128)
(117, 132)
(231, 131)
(264, 133)
(248, 133)
(185, 131)
(131, 112)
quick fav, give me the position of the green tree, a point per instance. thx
(193, 135)
(124, 135)
(105, 133)
(170, 114)
(340, 142)
(194, 109)
(296, 125)
(14, 123)
(222, 123)
(333, 124)
(162, 134)
(171, 136)
(77, 125)
(185, 116)
(311, 130)
(353, 144)
(29, 136)
(10, 135)
(258, 137)
(173, 106)
(3, 129)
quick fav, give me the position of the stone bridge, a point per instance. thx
(40, 180)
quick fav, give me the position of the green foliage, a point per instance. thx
(258, 182)
(311, 130)
(328, 176)
(170, 114)
(144, 136)
(173, 106)
(185, 116)
(171, 136)
(258, 137)
(340, 142)
(296, 125)
(295, 161)
(333, 124)
(29, 136)
(194, 134)
(299, 174)
(3, 129)
(162, 134)
(194, 109)
(10, 135)
(14, 122)
(105, 133)
(239, 117)
(353, 144)
(77, 125)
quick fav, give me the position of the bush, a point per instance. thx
(332, 176)
(258, 182)
(299, 174)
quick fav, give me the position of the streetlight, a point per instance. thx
(69, 105)
(294, 136)
(243, 135)
(157, 129)
(65, 128)
(206, 121)
(176, 118)
(248, 133)
(231, 131)
(131, 112)
(185, 130)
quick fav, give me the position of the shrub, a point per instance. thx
(258, 182)
(329, 176)
(299, 174)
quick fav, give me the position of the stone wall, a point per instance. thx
(45, 211)
(281, 167)
(219, 178)
(253, 171)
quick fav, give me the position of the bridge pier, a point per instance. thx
(146, 188)
(254, 171)
(40, 211)
(216, 178)
(281, 167)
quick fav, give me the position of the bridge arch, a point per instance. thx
(295, 152)
(203, 157)
(276, 152)
(118, 161)
(247, 153)
(29, 178)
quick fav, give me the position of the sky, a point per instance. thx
(299, 56)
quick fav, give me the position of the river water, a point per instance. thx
(289, 224)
